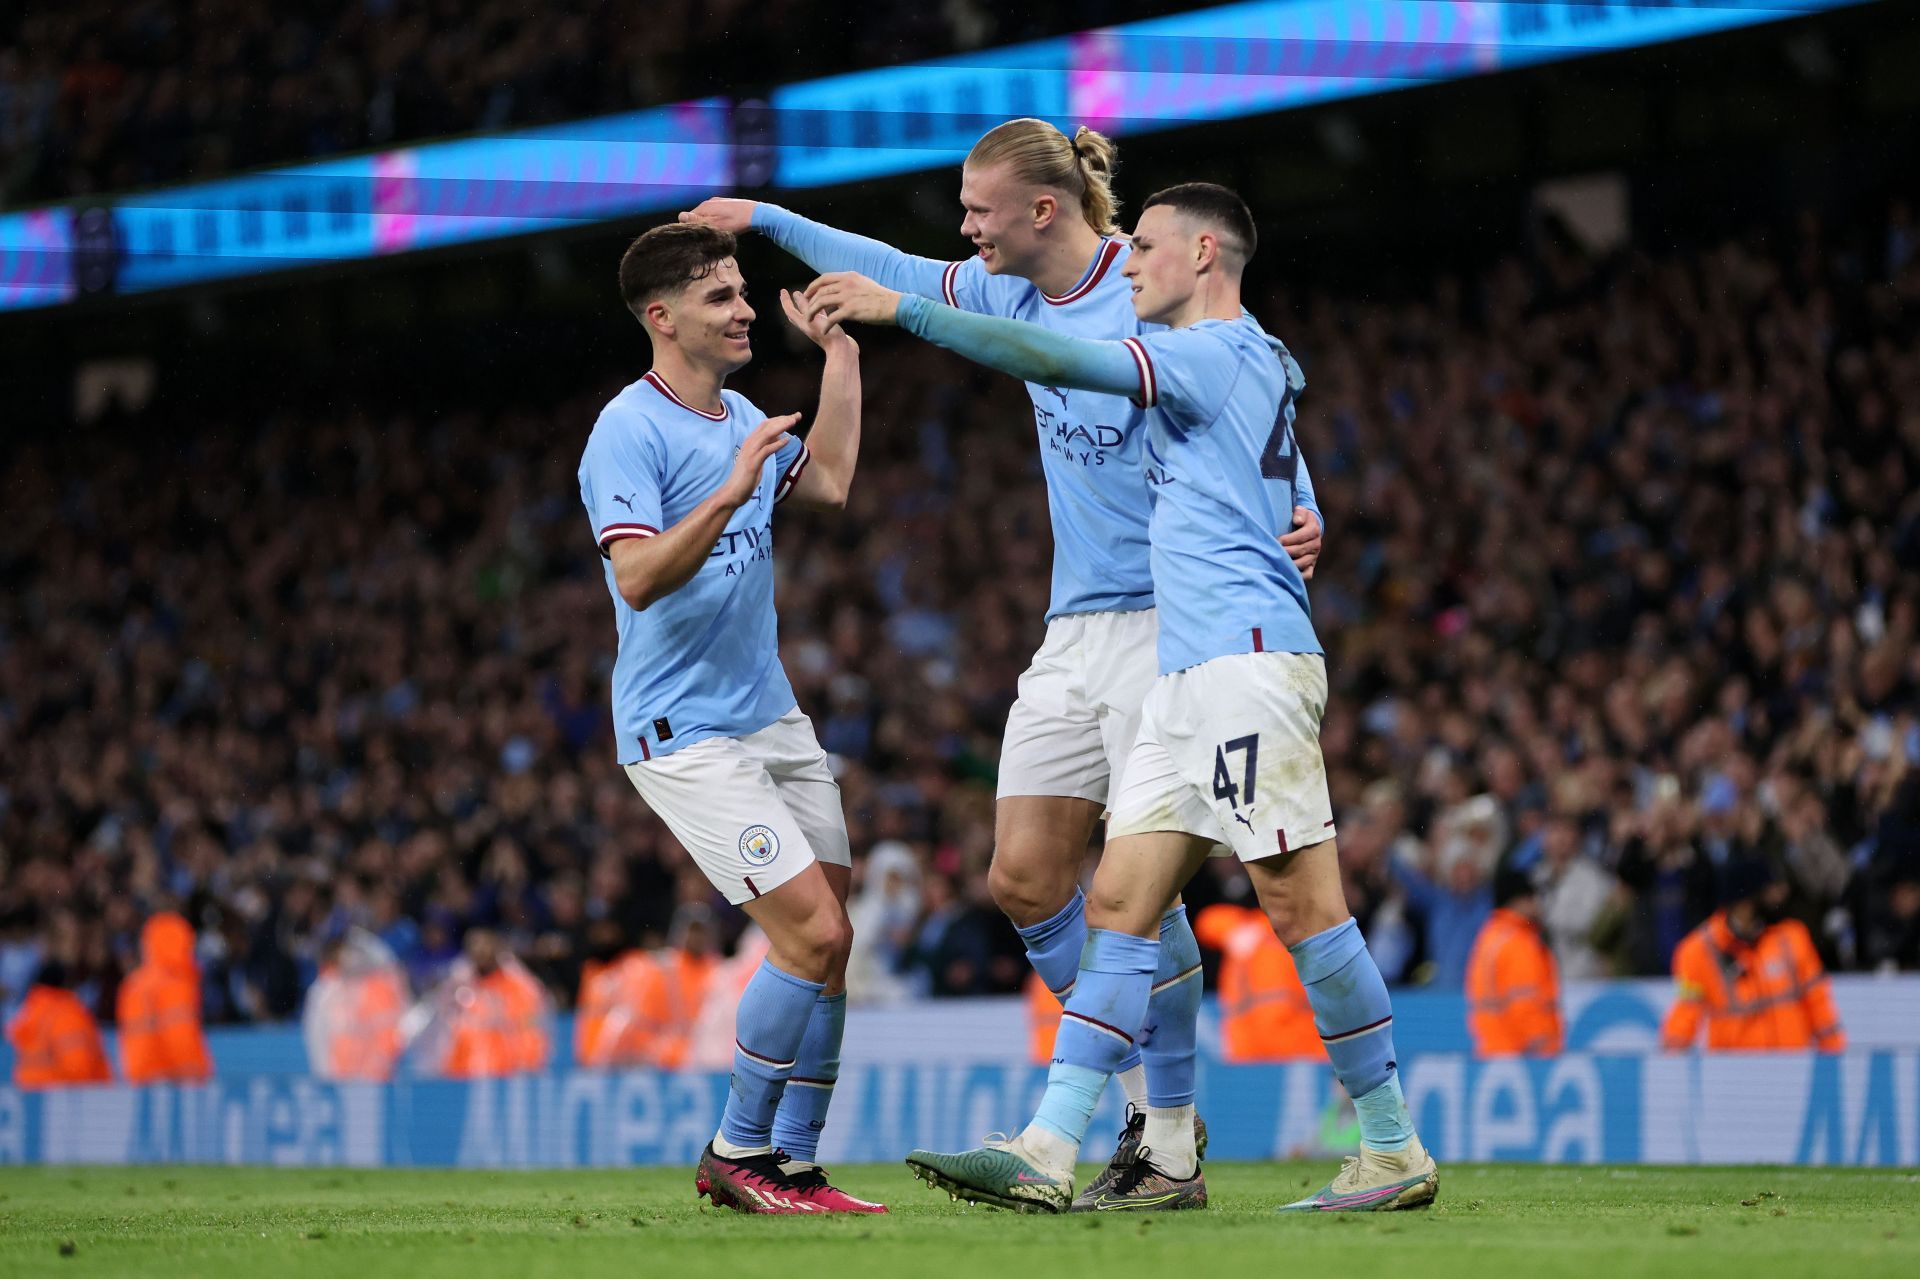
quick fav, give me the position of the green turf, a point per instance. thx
(1490, 1222)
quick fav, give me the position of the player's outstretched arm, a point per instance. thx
(834, 441)
(1024, 350)
(822, 247)
(648, 569)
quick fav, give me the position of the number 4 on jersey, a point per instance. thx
(1223, 787)
(1280, 460)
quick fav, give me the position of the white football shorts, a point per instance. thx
(753, 811)
(1078, 711)
(1229, 750)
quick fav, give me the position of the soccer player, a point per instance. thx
(680, 480)
(1229, 746)
(1040, 213)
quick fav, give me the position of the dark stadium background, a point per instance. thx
(347, 482)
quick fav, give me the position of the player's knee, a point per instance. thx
(1296, 917)
(1025, 887)
(830, 935)
(815, 947)
(1118, 907)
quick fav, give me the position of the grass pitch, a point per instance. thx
(1490, 1221)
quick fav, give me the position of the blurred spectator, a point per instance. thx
(1449, 887)
(1264, 1014)
(159, 1015)
(1513, 984)
(1573, 894)
(1672, 883)
(352, 1019)
(960, 948)
(56, 1042)
(496, 1014)
(884, 914)
(1751, 974)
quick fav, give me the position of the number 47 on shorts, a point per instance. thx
(1223, 787)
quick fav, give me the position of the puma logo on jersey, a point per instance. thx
(1057, 394)
(624, 501)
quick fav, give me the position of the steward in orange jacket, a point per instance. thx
(55, 1040)
(607, 1032)
(1264, 1013)
(1513, 985)
(498, 1015)
(159, 1008)
(639, 1009)
(1043, 1020)
(354, 1010)
(1752, 975)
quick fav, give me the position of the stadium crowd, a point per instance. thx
(1621, 585)
(104, 95)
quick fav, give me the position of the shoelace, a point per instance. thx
(783, 1172)
(799, 1174)
(1136, 1170)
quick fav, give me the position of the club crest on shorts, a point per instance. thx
(759, 845)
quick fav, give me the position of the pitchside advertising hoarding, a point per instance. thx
(942, 1075)
(1215, 64)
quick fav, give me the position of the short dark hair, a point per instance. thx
(1215, 205)
(668, 258)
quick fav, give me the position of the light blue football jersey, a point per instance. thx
(1224, 469)
(704, 661)
(1092, 444)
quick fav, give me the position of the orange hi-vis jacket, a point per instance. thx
(498, 1025)
(159, 1008)
(1043, 1020)
(363, 1038)
(56, 1042)
(1264, 1013)
(1771, 993)
(1513, 990)
(640, 1009)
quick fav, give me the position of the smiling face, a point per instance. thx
(1164, 267)
(708, 319)
(1002, 218)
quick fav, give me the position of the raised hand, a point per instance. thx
(843, 296)
(723, 213)
(825, 333)
(765, 440)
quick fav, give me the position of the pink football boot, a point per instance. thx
(772, 1183)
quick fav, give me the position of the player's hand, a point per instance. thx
(765, 440)
(1303, 544)
(844, 296)
(723, 213)
(826, 334)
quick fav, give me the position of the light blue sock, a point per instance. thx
(1169, 1041)
(1355, 1020)
(1054, 946)
(803, 1110)
(774, 1011)
(1101, 1022)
